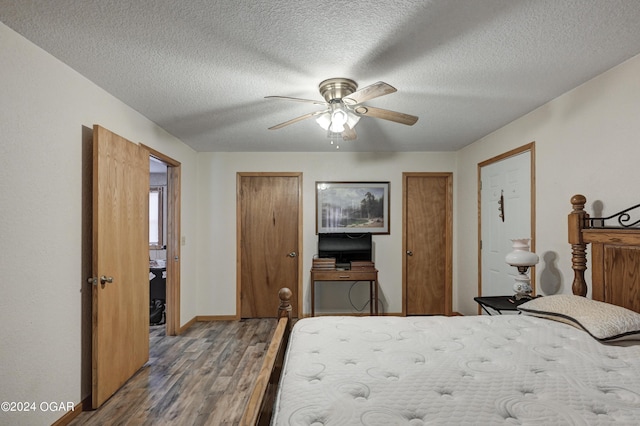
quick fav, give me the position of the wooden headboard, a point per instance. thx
(615, 254)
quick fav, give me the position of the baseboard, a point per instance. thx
(187, 325)
(205, 318)
(77, 410)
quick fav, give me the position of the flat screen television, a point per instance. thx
(345, 247)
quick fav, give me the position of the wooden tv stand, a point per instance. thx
(370, 274)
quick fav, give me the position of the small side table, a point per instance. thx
(368, 274)
(499, 303)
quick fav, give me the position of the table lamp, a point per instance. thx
(522, 258)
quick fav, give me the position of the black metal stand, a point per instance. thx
(500, 303)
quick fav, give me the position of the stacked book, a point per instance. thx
(324, 263)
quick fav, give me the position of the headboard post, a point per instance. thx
(577, 220)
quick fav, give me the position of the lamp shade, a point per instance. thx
(521, 255)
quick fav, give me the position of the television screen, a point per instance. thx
(345, 247)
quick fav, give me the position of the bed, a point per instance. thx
(567, 359)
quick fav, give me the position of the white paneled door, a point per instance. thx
(505, 214)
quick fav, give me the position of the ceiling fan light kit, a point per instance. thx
(343, 108)
(337, 117)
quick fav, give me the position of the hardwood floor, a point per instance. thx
(202, 377)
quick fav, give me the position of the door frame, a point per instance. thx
(531, 147)
(239, 176)
(174, 172)
(448, 238)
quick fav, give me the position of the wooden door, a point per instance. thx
(120, 262)
(427, 235)
(269, 209)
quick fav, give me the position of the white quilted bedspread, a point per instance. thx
(475, 370)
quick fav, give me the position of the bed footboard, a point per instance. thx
(260, 405)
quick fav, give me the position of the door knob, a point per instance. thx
(104, 280)
(293, 254)
(409, 252)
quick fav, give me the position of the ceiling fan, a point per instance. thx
(343, 107)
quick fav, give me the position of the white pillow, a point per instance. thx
(604, 321)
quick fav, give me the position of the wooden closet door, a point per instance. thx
(427, 228)
(269, 209)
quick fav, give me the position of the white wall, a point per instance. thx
(47, 111)
(587, 142)
(217, 219)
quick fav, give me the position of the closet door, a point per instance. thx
(427, 234)
(269, 241)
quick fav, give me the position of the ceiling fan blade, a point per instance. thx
(286, 98)
(386, 114)
(373, 91)
(295, 120)
(349, 134)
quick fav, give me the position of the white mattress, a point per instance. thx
(481, 370)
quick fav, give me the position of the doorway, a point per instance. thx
(170, 248)
(506, 210)
(158, 180)
(116, 259)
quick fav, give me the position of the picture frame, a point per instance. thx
(352, 207)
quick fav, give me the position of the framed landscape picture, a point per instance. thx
(352, 207)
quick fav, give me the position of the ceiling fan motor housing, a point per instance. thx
(337, 88)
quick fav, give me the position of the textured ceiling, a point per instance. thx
(201, 69)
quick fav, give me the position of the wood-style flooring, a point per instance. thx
(202, 377)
